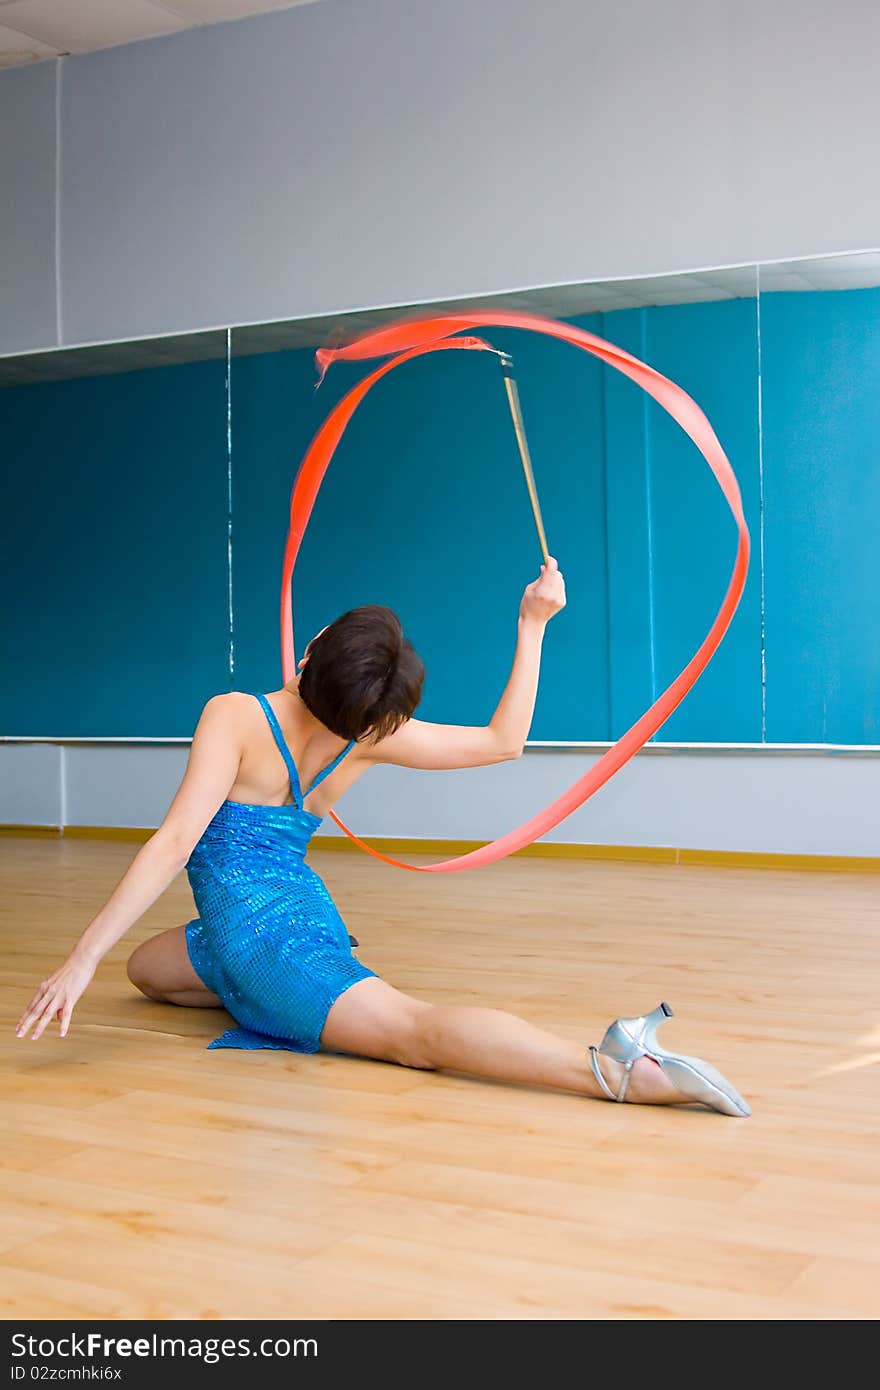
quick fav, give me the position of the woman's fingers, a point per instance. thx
(32, 1010)
(31, 1022)
(54, 1000)
(45, 1018)
(37, 996)
(40, 1014)
(25, 1022)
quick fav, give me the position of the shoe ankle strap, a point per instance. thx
(593, 1054)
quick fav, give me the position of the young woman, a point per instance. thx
(269, 945)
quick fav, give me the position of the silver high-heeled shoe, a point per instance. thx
(631, 1038)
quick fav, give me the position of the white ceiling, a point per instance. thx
(35, 29)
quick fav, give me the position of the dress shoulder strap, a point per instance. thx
(283, 749)
(331, 767)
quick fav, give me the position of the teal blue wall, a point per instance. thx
(671, 538)
(113, 553)
(821, 410)
(425, 508)
(115, 620)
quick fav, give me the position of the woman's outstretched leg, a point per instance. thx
(374, 1020)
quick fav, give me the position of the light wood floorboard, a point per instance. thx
(142, 1176)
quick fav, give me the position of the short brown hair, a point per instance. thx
(362, 675)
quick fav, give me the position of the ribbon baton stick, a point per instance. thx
(519, 427)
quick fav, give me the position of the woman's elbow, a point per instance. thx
(498, 746)
(173, 845)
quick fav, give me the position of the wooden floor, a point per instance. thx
(143, 1176)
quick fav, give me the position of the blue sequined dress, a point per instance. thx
(268, 939)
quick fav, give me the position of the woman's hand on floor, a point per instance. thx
(57, 997)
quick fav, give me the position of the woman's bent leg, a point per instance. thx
(374, 1020)
(162, 970)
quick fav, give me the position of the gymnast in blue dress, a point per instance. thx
(269, 945)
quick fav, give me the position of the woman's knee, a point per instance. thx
(416, 1042)
(138, 970)
(372, 1019)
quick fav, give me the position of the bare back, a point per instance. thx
(262, 777)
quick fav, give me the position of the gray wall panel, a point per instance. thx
(342, 155)
(27, 208)
(30, 784)
(121, 784)
(774, 803)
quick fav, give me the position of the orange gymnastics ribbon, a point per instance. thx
(411, 339)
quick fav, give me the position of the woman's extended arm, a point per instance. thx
(439, 746)
(211, 770)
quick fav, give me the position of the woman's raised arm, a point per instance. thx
(444, 746)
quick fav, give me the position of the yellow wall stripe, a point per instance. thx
(32, 832)
(636, 854)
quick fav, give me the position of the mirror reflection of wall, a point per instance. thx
(820, 414)
(782, 358)
(632, 512)
(114, 538)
